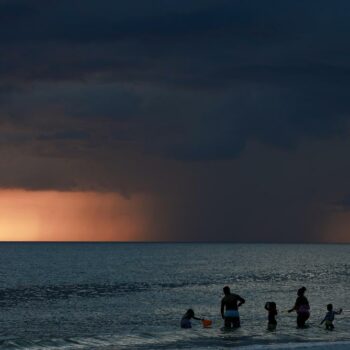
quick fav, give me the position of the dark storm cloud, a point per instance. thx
(65, 135)
(88, 21)
(221, 42)
(343, 204)
(166, 97)
(290, 49)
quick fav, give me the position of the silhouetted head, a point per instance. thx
(226, 290)
(190, 313)
(329, 307)
(301, 291)
(272, 305)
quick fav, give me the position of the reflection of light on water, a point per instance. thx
(108, 295)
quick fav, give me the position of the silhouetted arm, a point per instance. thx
(241, 301)
(222, 308)
(338, 312)
(296, 306)
(292, 309)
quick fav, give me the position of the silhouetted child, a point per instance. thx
(329, 318)
(186, 319)
(272, 313)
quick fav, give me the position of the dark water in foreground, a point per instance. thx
(116, 296)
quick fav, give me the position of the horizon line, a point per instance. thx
(178, 242)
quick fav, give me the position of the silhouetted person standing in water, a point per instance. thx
(186, 319)
(329, 318)
(229, 308)
(272, 310)
(302, 308)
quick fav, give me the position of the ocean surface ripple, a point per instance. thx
(132, 296)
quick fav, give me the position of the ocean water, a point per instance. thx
(132, 296)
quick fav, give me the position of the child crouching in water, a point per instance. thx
(272, 313)
(329, 318)
(186, 319)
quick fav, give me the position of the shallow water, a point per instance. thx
(115, 296)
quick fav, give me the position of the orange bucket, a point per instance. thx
(207, 323)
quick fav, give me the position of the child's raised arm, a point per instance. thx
(338, 312)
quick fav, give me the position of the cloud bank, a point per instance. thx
(232, 115)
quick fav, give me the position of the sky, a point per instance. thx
(161, 120)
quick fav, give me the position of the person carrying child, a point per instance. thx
(329, 318)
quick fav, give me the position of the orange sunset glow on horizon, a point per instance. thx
(71, 216)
